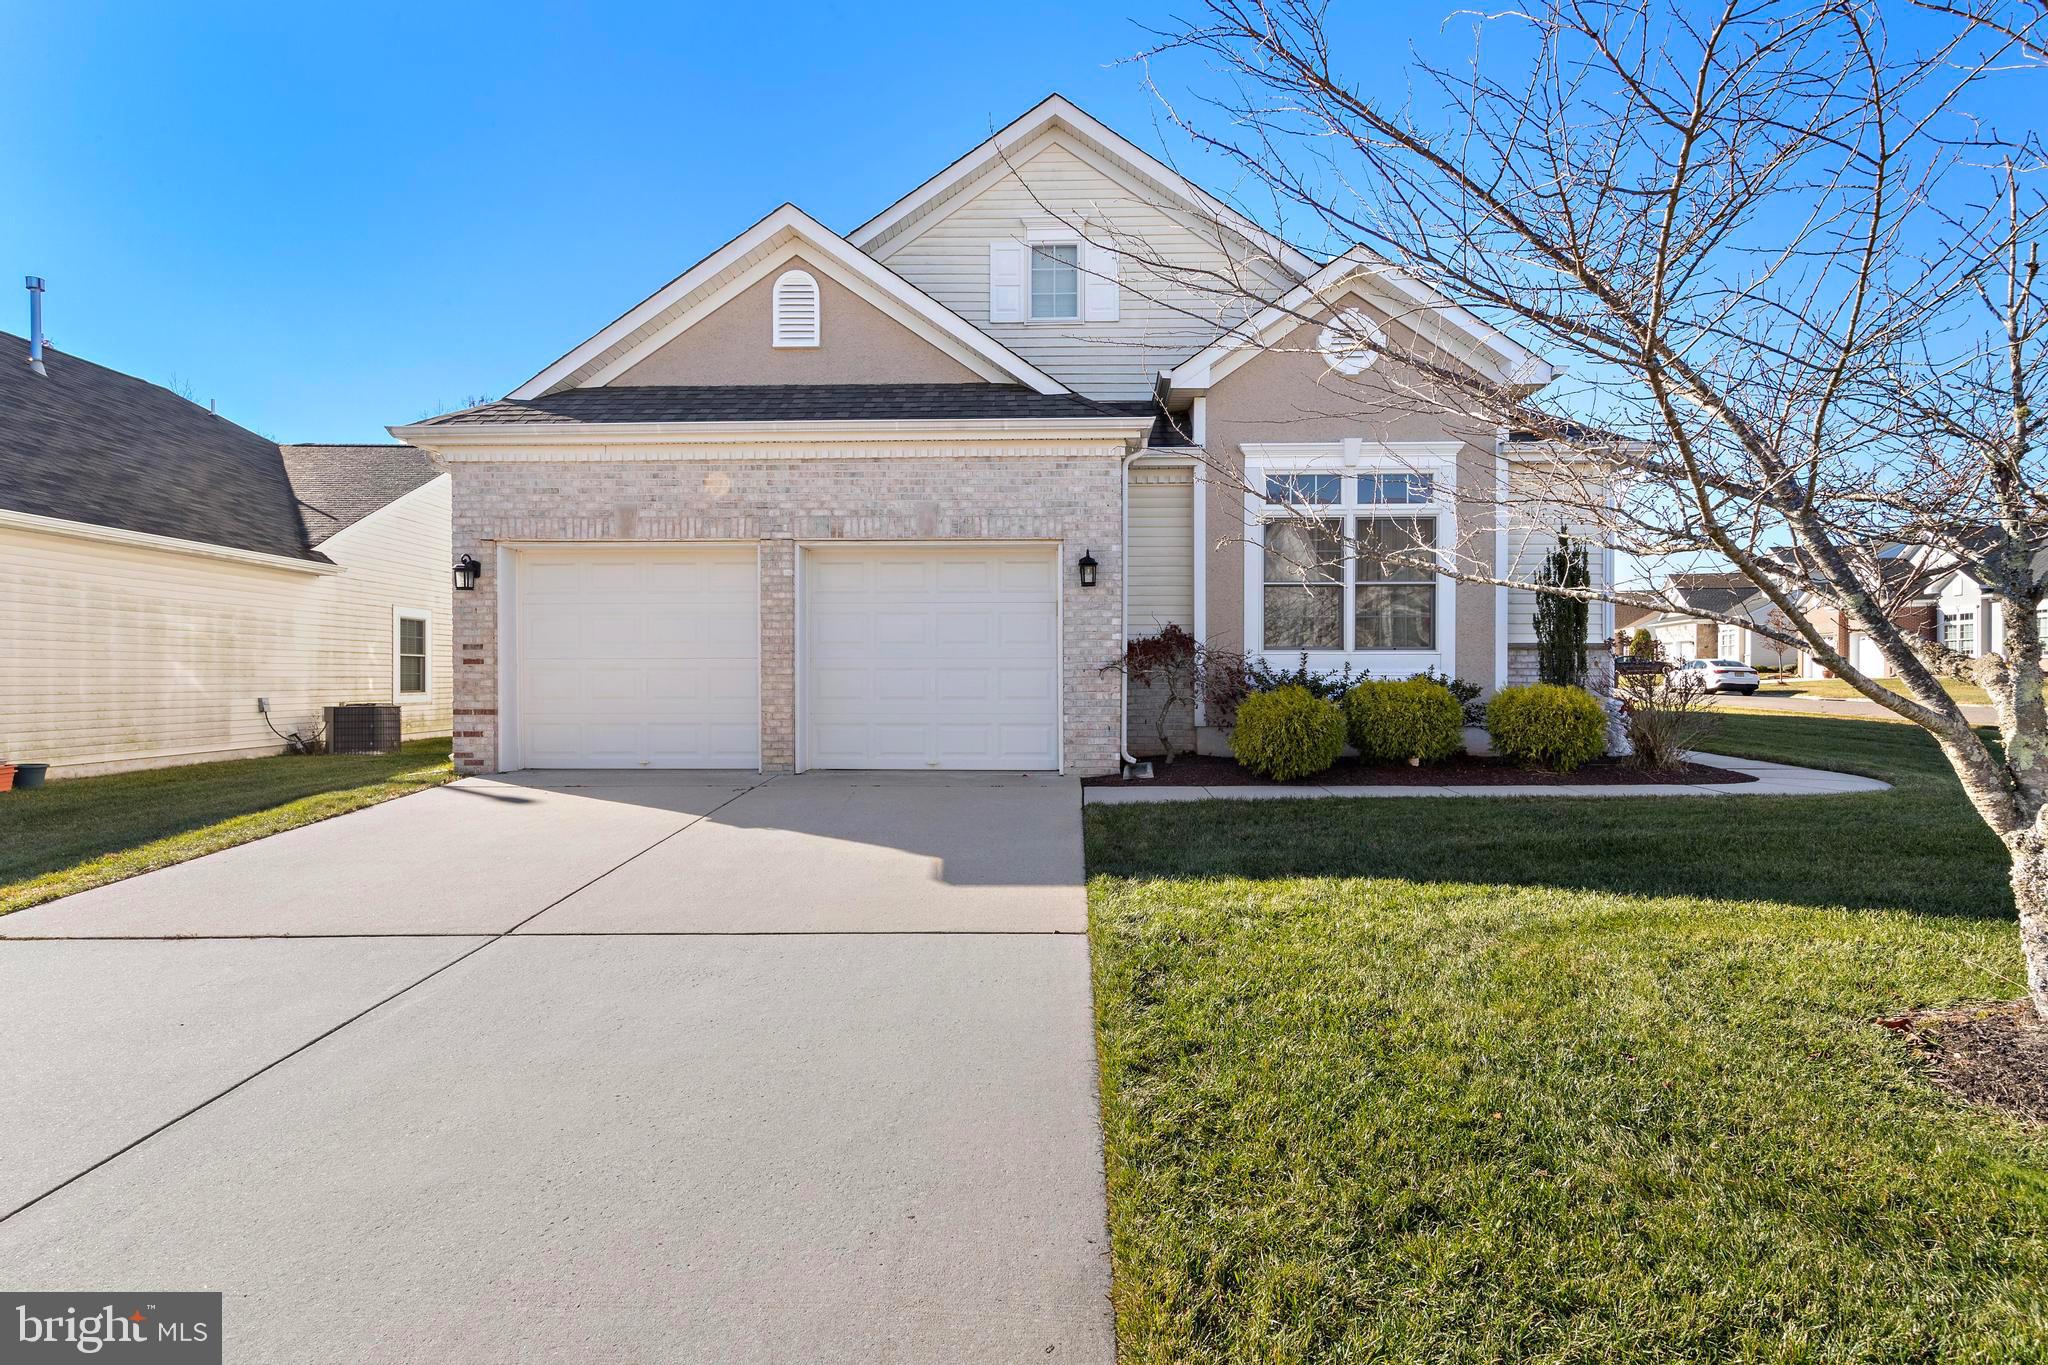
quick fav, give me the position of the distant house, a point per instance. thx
(1684, 631)
(161, 569)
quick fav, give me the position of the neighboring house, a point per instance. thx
(1685, 632)
(896, 498)
(1911, 579)
(162, 568)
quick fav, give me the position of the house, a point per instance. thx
(896, 497)
(1909, 579)
(162, 569)
(1681, 633)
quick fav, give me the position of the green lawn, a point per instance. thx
(89, 831)
(1968, 693)
(1596, 1080)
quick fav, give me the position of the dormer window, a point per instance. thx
(796, 310)
(1055, 280)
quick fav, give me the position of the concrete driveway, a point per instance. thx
(633, 1067)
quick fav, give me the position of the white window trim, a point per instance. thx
(1038, 237)
(1350, 459)
(426, 620)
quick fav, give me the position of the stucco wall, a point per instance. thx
(121, 656)
(857, 344)
(780, 497)
(1289, 394)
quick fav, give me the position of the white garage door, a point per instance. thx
(931, 658)
(639, 659)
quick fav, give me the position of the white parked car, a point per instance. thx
(1718, 675)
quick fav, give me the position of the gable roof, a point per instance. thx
(1419, 308)
(669, 311)
(92, 445)
(336, 486)
(1057, 112)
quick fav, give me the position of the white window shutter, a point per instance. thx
(1006, 281)
(1100, 295)
(797, 320)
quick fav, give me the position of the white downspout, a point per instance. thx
(1123, 625)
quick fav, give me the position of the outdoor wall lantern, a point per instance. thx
(1087, 568)
(467, 572)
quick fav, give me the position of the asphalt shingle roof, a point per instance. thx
(338, 485)
(785, 403)
(86, 443)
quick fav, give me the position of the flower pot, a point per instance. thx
(6, 777)
(29, 776)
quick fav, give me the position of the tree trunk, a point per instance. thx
(2030, 894)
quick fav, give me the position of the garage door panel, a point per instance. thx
(930, 658)
(644, 659)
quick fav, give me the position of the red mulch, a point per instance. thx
(1992, 1055)
(1466, 770)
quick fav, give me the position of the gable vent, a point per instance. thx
(796, 309)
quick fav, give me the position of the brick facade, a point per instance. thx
(1065, 493)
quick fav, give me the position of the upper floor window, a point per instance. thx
(1056, 280)
(797, 321)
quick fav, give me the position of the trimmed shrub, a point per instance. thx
(1287, 733)
(1417, 721)
(1547, 727)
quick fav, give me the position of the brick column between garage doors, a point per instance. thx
(778, 655)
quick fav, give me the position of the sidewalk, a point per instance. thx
(1773, 779)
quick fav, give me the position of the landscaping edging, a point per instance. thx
(1770, 779)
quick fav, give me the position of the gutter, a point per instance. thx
(146, 540)
(432, 437)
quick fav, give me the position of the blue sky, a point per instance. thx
(331, 218)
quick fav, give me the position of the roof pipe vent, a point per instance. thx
(35, 324)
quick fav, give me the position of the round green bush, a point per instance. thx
(1547, 727)
(1416, 721)
(1287, 733)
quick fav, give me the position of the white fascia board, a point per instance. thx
(828, 245)
(1057, 109)
(1129, 430)
(341, 537)
(144, 540)
(1487, 349)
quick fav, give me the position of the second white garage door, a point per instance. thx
(639, 658)
(930, 658)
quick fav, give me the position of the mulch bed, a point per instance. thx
(1199, 770)
(1992, 1055)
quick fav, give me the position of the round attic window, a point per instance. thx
(1351, 342)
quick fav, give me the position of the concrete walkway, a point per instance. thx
(678, 1067)
(1773, 779)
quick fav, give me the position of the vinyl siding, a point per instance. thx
(1162, 550)
(126, 657)
(1159, 324)
(1532, 534)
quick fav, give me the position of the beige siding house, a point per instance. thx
(161, 569)
(897, 498)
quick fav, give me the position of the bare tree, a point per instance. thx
(1792, 272)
